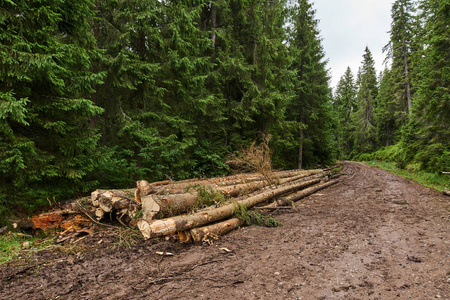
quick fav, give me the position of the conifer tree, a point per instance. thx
(310, 108)
(344, 104)
(389, 114)
(46, 142)
(400, 49)
(363, 117)
(426, 139)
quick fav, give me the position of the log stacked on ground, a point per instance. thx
(178, 203)
(163, 203)
(120, 202)
(168, 226)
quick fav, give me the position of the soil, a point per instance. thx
(373, 235)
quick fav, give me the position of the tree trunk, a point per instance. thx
(201, 234)
(300, 150)
(226, 182)
(408, 86)
(150, 229)
(121, 202)
(300, 195)
(173, 204)
(213, 25)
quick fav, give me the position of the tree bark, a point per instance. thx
(150, 229)
(300, 150)
(200, 234)
(300, 195)
(408, 86)
(177, 203)
(213, 25)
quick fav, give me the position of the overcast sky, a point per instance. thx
(347, 27)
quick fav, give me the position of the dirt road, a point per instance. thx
(374, 235)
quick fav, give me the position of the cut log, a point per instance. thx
(144, 188)
(174, 204)
(231, 181)
(288, 200)
(150, 229)
(201, 234)
(121, 202)
(110, 194)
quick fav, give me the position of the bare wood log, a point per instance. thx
(299, 195)
(446, 192)
(175, 224)
(97, 194)
(200, 234)
(180, 187)
(174, 204)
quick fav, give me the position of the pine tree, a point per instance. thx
(363, 117)
(344, 104)
(388, 115)
(46, 142)
(400, 49)
(310, 108)
(427, 138)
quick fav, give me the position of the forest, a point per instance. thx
(99, 94)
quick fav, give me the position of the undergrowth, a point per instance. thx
(206, 196)
(439, 182)
(16, 245)
(254, 218)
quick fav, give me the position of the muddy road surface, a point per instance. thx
(373, 235)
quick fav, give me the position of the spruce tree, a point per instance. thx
(46, 142)
(310, 108)
(389, 114)
(363, 117)
(427, 138)
(400, 49)
(344, 104)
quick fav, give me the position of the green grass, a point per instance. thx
(439, 182)
(12, 246)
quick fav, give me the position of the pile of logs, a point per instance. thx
(176, 207)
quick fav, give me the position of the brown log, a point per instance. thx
(288, 200)
(200, 234)
(215, 183)
(174, 204)
(175, 224)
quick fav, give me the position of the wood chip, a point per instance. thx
(226, 250)
(164, 253)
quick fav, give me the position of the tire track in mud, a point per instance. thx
(374, 235)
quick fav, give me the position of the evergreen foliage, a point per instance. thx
(364, 116)
(46, 142)
(427, 136)
(344, 105)
(108, 92)
(310, 110)
(410, 115)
